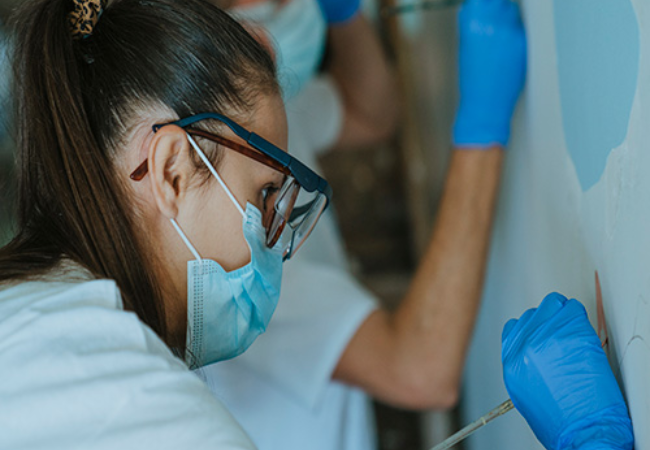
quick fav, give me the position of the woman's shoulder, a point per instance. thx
(66, 286)
(78, 370)
(69, 312)
(66, 311)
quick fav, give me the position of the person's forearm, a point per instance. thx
(365, 79)
(414, 357)
(435, 320)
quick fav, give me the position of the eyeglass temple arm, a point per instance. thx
(309, 180)
(253, 139)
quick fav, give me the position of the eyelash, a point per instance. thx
(267, 191)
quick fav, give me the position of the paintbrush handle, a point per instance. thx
(420, 5)
(472, 427)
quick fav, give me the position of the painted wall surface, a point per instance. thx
(575, 200)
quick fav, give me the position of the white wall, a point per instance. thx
(555, 228)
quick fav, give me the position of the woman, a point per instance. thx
(153, 215)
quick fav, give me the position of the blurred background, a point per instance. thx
(6, 144)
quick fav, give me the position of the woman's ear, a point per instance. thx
(170, 168)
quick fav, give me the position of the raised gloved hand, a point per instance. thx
(339, 11)
(559, 379)
(492, 65)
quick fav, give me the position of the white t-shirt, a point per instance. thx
(79, 372)
(281, 389)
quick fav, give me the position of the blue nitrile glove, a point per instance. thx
(339, 11)
(559, 379)
(492, 70)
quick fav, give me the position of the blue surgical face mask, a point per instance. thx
(227, 311)
(298, 31)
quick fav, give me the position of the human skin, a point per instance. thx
(414, 357)
(174, 189)
(367, 84)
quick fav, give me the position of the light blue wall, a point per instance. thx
(575, 199)
(597, 46)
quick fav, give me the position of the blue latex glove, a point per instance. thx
(559, 379)
(339, 11)
(492, 65)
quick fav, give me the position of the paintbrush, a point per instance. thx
(474, 426)
(505, 406)
(422, 5)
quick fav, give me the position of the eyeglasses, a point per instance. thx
(297, 205)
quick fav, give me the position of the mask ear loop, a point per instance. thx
(207, 162)
(186, 240)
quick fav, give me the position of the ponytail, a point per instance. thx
(75, 99)
(70, 202)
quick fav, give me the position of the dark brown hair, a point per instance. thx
(75, 101)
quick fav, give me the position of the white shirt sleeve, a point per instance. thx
(79, 373)
(320, 310)
(317, 113)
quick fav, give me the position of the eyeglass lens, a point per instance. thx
(294, 216)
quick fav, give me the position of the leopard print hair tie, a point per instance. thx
(84, 17)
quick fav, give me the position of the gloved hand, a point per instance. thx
(492, 66)
(339, 11)
(559, 379)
